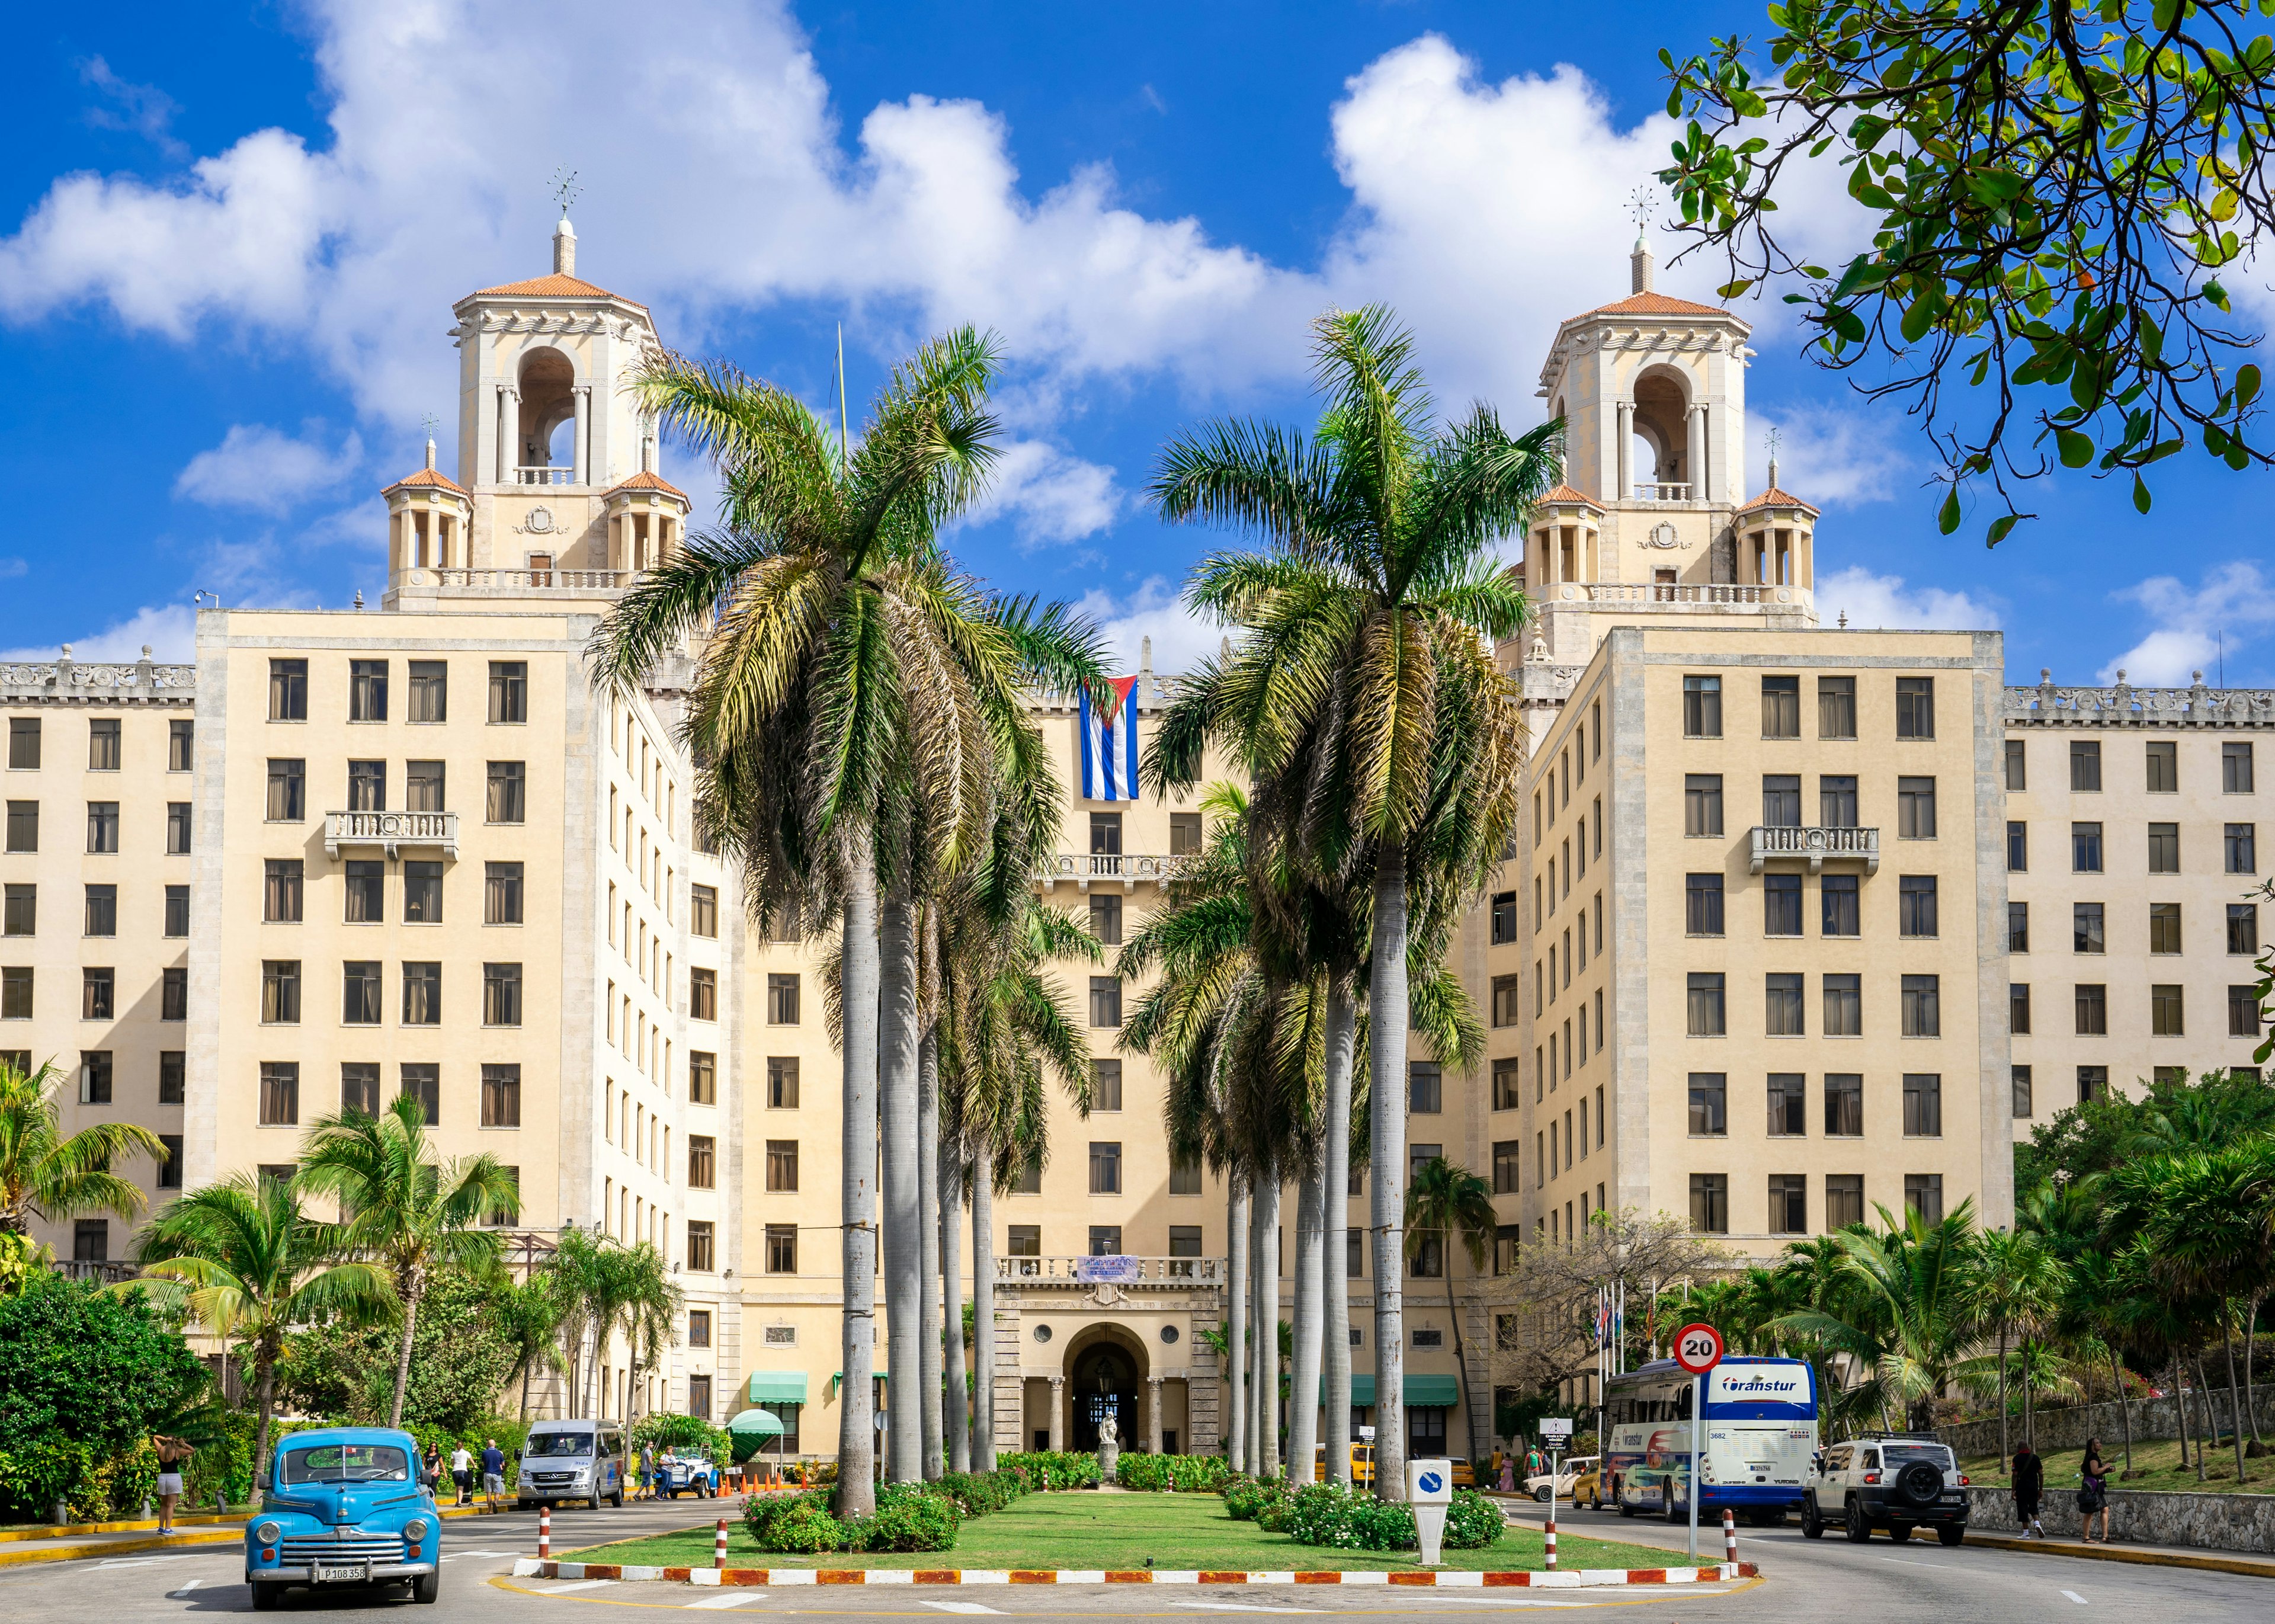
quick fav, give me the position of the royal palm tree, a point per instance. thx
(2015, 1287)
(648, 1312)
(1364, 680)
(854, 699)
(529, 1314)
(48, 1177)
(249, 1265)
(574, 1279)
(1450, 1207)
(404, 1210)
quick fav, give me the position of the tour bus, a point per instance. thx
(1761, 1431)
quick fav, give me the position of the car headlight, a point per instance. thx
(266, 1533)
(415, 1531)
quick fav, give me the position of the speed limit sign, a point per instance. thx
(1698, 1349)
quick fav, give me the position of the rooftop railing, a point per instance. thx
(2120, 704)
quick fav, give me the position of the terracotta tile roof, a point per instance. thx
(1564, 493)
(431, 476)
(554, 287)
(1654, 305)
(1776, 498)
(646, 481)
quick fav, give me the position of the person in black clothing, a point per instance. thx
(2030, 1481)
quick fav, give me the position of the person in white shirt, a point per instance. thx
(462, 1472)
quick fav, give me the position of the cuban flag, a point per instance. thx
(1109, 745)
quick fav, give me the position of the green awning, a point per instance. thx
(758, 1421)
(1438, 1390)
(1362, 1390)
(778, 1386)
(837, 1377)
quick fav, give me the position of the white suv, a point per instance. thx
(1896, 1481)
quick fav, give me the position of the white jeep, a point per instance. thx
(1896, 1481)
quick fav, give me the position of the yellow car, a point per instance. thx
(1588, 1487)
(1362, 1472)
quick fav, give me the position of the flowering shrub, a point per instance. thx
(1052, 1468)
(1185, 1474)
(1472, 1521)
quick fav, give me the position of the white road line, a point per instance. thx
(1907, 1562)
(140, 1561)
(187, 1585)
(581, 1584)
(2075, 1596)
(1238, 1607)
(961, 1607)
(732, 1599)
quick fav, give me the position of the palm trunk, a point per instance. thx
(2002, 1399)
(1264, 1266)
(2234, 1395)
(856, 1495)
(983, 1314)
(1236, 1325)
(2250, 1335)
(955, 1423)
(410, 1295)
(897, 1089)
(2180, 1407)
(265, 1386)
(1387, 1109)
(928, 1159)
(2210, 1415)
(2124, 1408)
(1304, 1393)
(2029, 1394)
(1334, 1186)
(1462, 1368)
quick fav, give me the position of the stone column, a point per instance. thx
(1623, 426)
(1058, 1413)
(579, 459)
(1152, 1415)
(504, 438)
(1697, 452)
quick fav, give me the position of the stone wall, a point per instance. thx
(2069, 1428)
(2142, 1516)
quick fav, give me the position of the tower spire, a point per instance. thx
(1639, 260)
(564, 235)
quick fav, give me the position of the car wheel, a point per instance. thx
(1899, 1532)
(1951, 1533)
(1673, 1510)
(596, 1502)
(618, 1499)
(1541, 1495)
(1626, 1510)
(265, 1597)
(1857, 1524)
(1812, 1526)
(427, 1589)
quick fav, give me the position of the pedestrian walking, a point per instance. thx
(2093, 1492)
(1533, 1464)
(2030, 1481)
(171, 1453)
(462, 1471)
(430, 1469)
(1509, 1474)
(493, 1471)
(647, 1471)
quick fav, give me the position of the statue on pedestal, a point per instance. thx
(1109, 1447)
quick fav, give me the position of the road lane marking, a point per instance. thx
(581, 1584)
(732, 1599)
(1901, 1561)
(187, 1585)
(1238, 1607)
(963, 1606)
(2075, 1596)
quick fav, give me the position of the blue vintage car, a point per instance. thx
(344, 1506)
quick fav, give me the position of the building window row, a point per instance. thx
(361, 1086)
(98, 993)
(2238, 848)
(505, 796)
(1787, 1205)
(369, 692)
(1836, 707)
(1836, 803)
(1783, 994)
(362, 992)
(19, 911)
(105, 744)
(1842, 1093)
(103, 828)
(2161, 765)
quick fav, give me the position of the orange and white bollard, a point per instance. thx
(719, 1545)
(545, 1533)
(1551, 1544)
(1729, 1536)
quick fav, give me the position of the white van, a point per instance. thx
(567, 1461)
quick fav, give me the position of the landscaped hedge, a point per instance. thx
(1185, 1474)
(1327, 1514)
(1054, 1468)
(978, 1493)
(909, 1516)
(1247, 1499)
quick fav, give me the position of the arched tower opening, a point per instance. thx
(547, 384)
(1661, 424)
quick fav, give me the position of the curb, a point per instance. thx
(2249, 1567)
(72, 1546)
(529, 1568)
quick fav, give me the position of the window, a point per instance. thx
(1923, 1195)
(2164, 767)
(781, 1082)
(1915, 809)
(366, 892)
(422, 993)
(1844, 1200)
(177, 910)
(2022, 1088)
(1710, 1097)
(172, 1077)
(1105, 1001)
(501, 893)
(16, 996)
(1707, 1014)
(501, 994)
(2092, 1005)
(505, 799)
(2092, 1084)
(1844, 1006)
(2243, 928)
(701, 1161)
(1427, 1261)
(703, 910)
(782, 999)
(102, 910)
(2087, 934)
(1702, 905)
(703, 1077)
(1425, 1431)
(23, 826)
(1425, 1088)
(1507, 1155)
(701, 1247)
(2243, 1011)
(2235, 769)
(288, 690)
(102, 826)
(1106, 839)
(95, 1076)
(174, 994)
(1504, 918)
(422, 893)
(359, 1087)
(1836, 707)
(698, 1335)
(1781, 707)
(422, 786)
(781, 1249)
(1844, 1104)
(702, 995)
(2242, 856)
(360, 992)
(2085, 847)
(1505, 1000)
(1781, 904)
(280, 893)
(1922, 1106)
(1184, 835)
(2165, 1011)
(1105, 1240)
(422, 1081)
(1702, 804)
(2018, 1008)
(1701, 707)
(1710, 1203)
(501, 1096)
(1915, 897)
(1788, 1099)
(1780, 801)
(2163, 927)
(24, 742)
(509, 691)
(782, 1164)
(1788, 1204)
(19, 911)
(2086, 765)
(1838, 905)
(1106, 1085)
(288, 790)
(2018, 847)
(102, 744)
(1915, 708)
(1184, 1179)
(1836, 801)
(1106, 918)
(367, 786)
(1923, 1007)
(2017, 774)
(1781, 1005)
(430, 690)
(1105, 1167)
(366, 691)
(2164, 848)
(280, 1093)
(98, 993)
(280, 991)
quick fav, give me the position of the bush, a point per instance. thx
(1054, 1468)
(1247, 1500)
(1472, 1521)
(909, 1517)
(799, 1522)
(978, 1493)
(1185, 1474)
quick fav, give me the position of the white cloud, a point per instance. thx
(169, 632)
(1049, 496)
(1181, 638)
(10, 568)
(143, 109)
(1826, 454)
(2193, 626)
(1883, 603)
(263, 469)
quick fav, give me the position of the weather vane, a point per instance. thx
(430, 422)
(1641, 201)
(1771, 441)
(566, 187)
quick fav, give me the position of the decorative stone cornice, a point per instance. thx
(2120, 704)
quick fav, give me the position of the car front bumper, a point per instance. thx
(302, 1574)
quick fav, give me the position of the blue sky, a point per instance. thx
(229, 241)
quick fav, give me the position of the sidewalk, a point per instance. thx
(77, 1543)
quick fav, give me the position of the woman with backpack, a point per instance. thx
(2093, 1495)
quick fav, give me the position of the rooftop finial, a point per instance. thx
(1770, 440)
(564, 235)
(430, 423)
(1641, 201)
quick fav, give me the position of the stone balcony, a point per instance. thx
(390, 830)
(1131, 1273)
(1085, 868)
(1814, 844)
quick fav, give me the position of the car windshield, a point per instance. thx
(555, 1446)
(1900, 1454)
(347, 1463)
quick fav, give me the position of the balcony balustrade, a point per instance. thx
(1662, 491)
(1132, 868)
(545, 476)
(1116, 1270)
(1815, 843)
(392, 830)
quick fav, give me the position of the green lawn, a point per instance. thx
(2158, 1465)
(1088, 1531)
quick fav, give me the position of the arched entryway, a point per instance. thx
(1106, 1369)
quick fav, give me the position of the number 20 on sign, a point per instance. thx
(1698, 1349)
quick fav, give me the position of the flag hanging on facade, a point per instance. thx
(1109, 745)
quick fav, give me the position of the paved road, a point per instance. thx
(1807, 1582)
